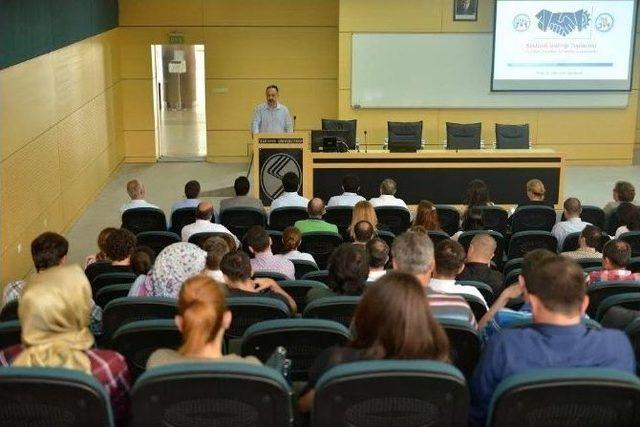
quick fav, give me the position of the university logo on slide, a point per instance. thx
(604, 22)
(276, 166)
(563, 23)
(521, 22)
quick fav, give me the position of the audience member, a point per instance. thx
(241, 187)
(628, 218)
(427, 216)
(573, 223)
(102, 244)
(556, 339)
(259, 244)
(363, 211)
(141, 262)
(237, 270)
(388, 189)
(203, 224)
(588, 243)
(54, 316)
(392, 321)
(216, 248)
(535, 193)
(413, 253)
(203, 318)
(348, 271)
(472, 221)
(615, 257)
(477, 265)
(291, 239)
(191, 193)
(290, 197)
(623, 191)
(174, 264)
(378, 255)
(316, 210)
(363, 232)
(137, 193)
(476, 195)
(449, 256)
(349, 196)
(119, 247)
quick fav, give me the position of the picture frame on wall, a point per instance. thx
(465, 10)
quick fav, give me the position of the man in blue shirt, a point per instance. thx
(271, 116)
(556, 339)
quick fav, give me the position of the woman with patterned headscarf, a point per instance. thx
(54, 315)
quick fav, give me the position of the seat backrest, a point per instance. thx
(338, 309)
(494, 218)
(303, 267)
(463, 136)
(320, 276)
(297, 289)
(633, 333)
(239, 220)
(387, 236)
(525, 241)
(593, 215)
(391, 393)
(627, 300)
(567, 397)
(346, 125)
(485, 290)
(138, 220)
(320, 245)
(181, 217)
(512, 136)
(465, 240)
(10, 333)
(590, 262)
(449, 218)
(281, 218)
(527, 218)
(278, 277)
(613, 222)
(571, 242)
(393, 218)
(600, 291)
(9, 311)
(512, 276)
(478, 306)
(404, 135)
(125, 310)
(111, 292)
(304, 340)
(247, 311)
(199, 238)
(634, 264)
(224, 394)
(464, 344)
(633, 239)
(437, 236)
(340, 216)
(157, 240)
(512, 264)
(108, 279)
(53, 397)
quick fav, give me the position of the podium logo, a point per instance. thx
(563, 23)
(272, 172)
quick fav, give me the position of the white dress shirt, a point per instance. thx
(288, 200)
(299, 256)
(204, 226)
(375, 275)
(621, 230)
(345, 199)
(137, 203)
(448, 286)
(563, 228)
(387, 200)
(267, 119)
(185, 203)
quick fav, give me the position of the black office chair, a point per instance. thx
(393, 218)
(404, 137)
(341, 217)
(239, 220)
(449, 218)
(181, 217)
(529, 218)
(138, 220)
(125, 310)
(350, 126)
(494, 218)
(464, 344)
(157, 240)
(463, 136)
(281, 218)
(512, 136)
(303, 267)
(526, 241)
(633, 239)
(320, 245)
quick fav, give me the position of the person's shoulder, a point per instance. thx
(100, 356)
(163, 356)
(235, 358)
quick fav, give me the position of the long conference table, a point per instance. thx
(438, 175)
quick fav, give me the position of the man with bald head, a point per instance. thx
(573, 223)
(315, 209)
(203, 224)
(477, 266)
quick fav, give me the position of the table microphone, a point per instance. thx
(365, 142)
(294, 123)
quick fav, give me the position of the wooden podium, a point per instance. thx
(275, 154)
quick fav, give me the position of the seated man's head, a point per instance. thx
(481, 249)
(449, 256)
(624, 192)
(48, 250)
(290, 182)
(348, 269)
(350, 184)
(102, 243)
(216, 248)
(615, 255)
(241, 186)
(388, 187)
(236, 267)
(135, 190)
(120, 246)
(530, 262)
(590, 237)
(315, 208)
(192, 189)
(378, 254)
(572, 208)
(363, 231)
(413, 253)
(557, 292)
(204, 211)
(291, 239)
(258, 240)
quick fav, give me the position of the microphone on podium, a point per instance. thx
(365, 141)
(294, 122)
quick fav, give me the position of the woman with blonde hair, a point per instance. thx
(363, 211)
(203, 318)
(427, 216)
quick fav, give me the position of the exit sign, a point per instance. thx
(176, 38)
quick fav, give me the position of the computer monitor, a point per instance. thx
(347, 125)
(512, 136)
(404, 137)
(329, 141)
(463, 136)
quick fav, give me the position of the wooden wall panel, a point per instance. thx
(484, 24)
(411, 16)
(137, 104)
(160, 12)
(286, 13)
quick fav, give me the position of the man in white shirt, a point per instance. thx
(203, 224)
(136, 192)
(450, 256)
(573, 224)
(191, 193)
(290, 197)
(349, 196)
(271, 116)
(378, 254)
(388, 189)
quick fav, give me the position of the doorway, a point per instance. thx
(179, 102)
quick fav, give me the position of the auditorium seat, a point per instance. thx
(465, 240)
(9, 311)
(511, 277)
(485, 290)
(247, 311)
(437, 236)
(633, 239)
(338, 308)
(199, 238)
(593, 215)
(570, 242)
(303, 267)
(633, 332)
(10, 333)
(278, 277)
(449, 218)
(391, 393)
(512, 264)
(125, 310)
(320, 276)
(111, 292)
(304, 340)
(53, 397)
(181, 217)
(320, 245)
(157, 240)
(108, 279)
(464, 344)
(281, 218)
(586, 263)
(476, 304)
(223, 394)
(297, 289)
(525, 241)
(494, 218)
(512, 136)
(393, 218)
(387, 236)
(613, 222)
(629, 300)
(341, 217)
(137, 340)
(528, 218)
(598, 292)
(634, 264)
(138, 220)
(567, 397)
(239, 220)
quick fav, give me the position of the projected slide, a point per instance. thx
(563, 45)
